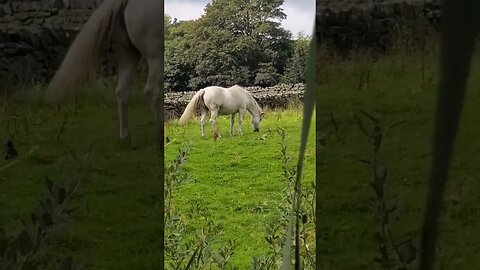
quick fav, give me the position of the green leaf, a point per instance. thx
(459, 22)
(308, 107)
(67, 263)
(49, 185)
(49, 206)
(61, 196)
(3, 242)
(361, 125)
(365, 161)
(68, 211)
(33, 217)
(74, 155)
(47, 220)
(25, 242)
(12, 252)
(192, 258)
(407, 252)
(392, 215)
(380, 173)
(29, 265)
(287, 248)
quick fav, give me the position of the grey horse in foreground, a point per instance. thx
(135, 29)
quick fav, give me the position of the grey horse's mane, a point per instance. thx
(250, 96)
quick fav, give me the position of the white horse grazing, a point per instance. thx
(223, 101)
(135, 29)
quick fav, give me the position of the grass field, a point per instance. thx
(392, 90)
(239, 179)
(116, 225)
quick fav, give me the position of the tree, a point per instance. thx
(266, 75)
(179, 69)
(234, 42)
(234, 36)
(296, 65)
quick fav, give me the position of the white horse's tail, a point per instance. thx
(191, 108)
(83, 58)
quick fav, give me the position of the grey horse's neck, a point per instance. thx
(252, 106)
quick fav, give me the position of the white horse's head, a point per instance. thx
(256, 118)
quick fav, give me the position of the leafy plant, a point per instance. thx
(276, 230)
(405, 251)
(457, 45)
(29, 248)
(308, 108)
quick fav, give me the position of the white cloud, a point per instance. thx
(184, 10)
(300, 14)
(299, 18)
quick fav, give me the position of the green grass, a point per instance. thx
(239, 178)
(395, 92)
(117, 224)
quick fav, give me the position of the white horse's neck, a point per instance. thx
(252, 105)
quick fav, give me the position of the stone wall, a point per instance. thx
(35, 34)
(345, 25)
(275, 97)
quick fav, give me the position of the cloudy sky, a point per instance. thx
(300, 13)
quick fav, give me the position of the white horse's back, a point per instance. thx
(140, 15)
(225, 100)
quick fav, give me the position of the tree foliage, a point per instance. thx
(296, 65)
(233, 42)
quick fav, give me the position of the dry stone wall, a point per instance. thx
(346, 25)
(275, 97)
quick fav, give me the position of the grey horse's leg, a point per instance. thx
(127, 58)
(241, 113)
(203, 120)
(146, 34)
(152, 91)
(232, 122)
(213, 120)
(152, 87)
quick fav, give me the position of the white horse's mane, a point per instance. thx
(248, 94)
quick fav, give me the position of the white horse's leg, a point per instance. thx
(240, 121)
(152, 92)
(152, 87)
(203, 120)
(213, 120)
(232, 122)
(127, 59)
(146, 34)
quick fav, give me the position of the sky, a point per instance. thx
(300, 13)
